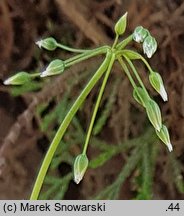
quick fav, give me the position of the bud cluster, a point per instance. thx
(142, 35)
(154, 114)
(113, 53)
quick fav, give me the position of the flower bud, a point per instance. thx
(80, 166)
(140, 96)
(120, 26)
(140, 34)
(154, 114)
(149, 46)
(18, 79)
(47, 43)
(55, 67)
(163, 134)
(157, 83)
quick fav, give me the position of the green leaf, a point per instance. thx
(101, 159)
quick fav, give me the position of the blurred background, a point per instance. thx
(127, 161)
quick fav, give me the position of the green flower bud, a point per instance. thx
(80, 166)
(18, 79)
(120, 26)
(157, 83)
(140, 34)
(140, 96)
(154, 114)
(149, 46)
(55, 67)
(131, 54)
(163, 134)
(47, 43)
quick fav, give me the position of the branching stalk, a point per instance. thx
(126, 70)
(64, 125)
(67, 48)
(98, 103)
(81, 57)
(136, 74)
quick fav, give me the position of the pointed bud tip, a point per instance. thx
(77, 179)
(44, 73)
(6, 82)
(126, 13)
(170, 147)
(39, 43)
(163, 93)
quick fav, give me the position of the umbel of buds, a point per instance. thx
(163, 134)
(57, 66)
(121, 24)
(47, 43)
(149, 46)
(154, 114)
(140, 34)
(80, 166)
(18, 79)
(157, 83)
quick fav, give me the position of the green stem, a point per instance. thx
(98, 103)
(86, 55)
(71, 49)
(146, 63)
(115, 41)
(136, 74)
(125, 68)
(33, 75)
(125, 42)
(139, 56)
(64, 125)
